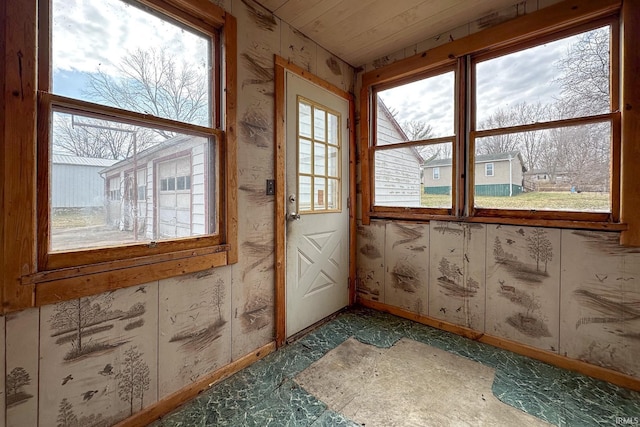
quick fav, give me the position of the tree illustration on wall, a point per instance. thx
(133, 379)
(540, 248)
(218, 298)
(77, 315)
(16, 379)
(66, 417)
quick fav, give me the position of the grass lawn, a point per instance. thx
(561, 201)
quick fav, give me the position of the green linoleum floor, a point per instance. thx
(265, 393)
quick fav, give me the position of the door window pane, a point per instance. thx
(319, 174)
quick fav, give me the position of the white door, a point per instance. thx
(317, 232)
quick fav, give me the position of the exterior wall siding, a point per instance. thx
(77, 186)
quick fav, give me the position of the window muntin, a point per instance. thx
(137, 60)
(319, 158)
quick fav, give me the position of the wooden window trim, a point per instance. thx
(552, 22)
(373, 147)
(25, 282)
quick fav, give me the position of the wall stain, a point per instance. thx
(370, 251)
(405, 277)
(334, 66)
(255, 128)
(258, 67)
(263, 19)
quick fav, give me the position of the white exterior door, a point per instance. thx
(317, 231)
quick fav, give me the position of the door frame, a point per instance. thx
(280, 138)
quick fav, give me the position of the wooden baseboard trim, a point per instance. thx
(563, 362)
(171, 402)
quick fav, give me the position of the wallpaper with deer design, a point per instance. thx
(570, 292)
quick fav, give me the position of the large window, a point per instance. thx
(510, 130)
(116, 99)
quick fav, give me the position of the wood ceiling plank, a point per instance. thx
(409, 28)
(272, 5)
(299, 13)
(340, 28)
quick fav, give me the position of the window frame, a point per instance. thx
(37, 277)
(536, 28)
(436, 173)
(486, 169)
(449, 66)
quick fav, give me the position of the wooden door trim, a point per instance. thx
(281, 67)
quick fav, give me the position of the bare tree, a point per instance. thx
(153, 83)
(498, 144)
(417, 130)
(149, 82)
(584, 73)
(87, 137)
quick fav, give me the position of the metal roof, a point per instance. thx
(63, 159)
(479, 159)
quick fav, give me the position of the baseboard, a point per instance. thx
(564, 362)
(172, 401)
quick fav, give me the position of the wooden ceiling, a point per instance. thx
(360, 31)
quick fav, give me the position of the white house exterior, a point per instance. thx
(170, 199)
(397, 171)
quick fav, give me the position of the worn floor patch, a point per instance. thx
(409, 384)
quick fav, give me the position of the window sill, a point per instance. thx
(531, 222)
(75, 282)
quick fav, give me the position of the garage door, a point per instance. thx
(174, 201)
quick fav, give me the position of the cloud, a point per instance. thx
(430, 100)
(88, 35)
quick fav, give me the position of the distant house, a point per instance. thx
(495, 175)
(397, 171)
(76, 182)
(161, 193)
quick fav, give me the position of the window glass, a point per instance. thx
(570, 171)
(404, 176)
(416, 111)
(118, 54)
(93, 193)
(319, 150)
(488, 169)
(562, 79)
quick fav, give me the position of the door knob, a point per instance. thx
(293, 216)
